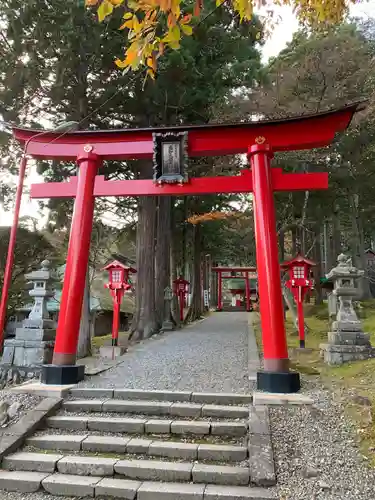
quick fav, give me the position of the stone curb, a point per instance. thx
(253, 353)
(13, 437)
(261, 459)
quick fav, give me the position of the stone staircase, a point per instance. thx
(140, 445)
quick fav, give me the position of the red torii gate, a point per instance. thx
(224, 269)
(258, 139)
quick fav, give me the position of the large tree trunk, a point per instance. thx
(358, 248)
(336, 237)
(213, 286)
(162, 255)
(145, 321)
(317, 269)
(195, 309)
(282, 245)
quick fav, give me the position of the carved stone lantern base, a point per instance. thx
(349, 338)
(340, 354)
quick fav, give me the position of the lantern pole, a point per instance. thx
(181, 296)
(116, 318)
(276, 376)
(301, 320)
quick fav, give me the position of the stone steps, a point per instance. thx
(148, 426)
(136, 446)
(154, 470)
(141, 445)
(170, 396)
(191, 410)
(103, 487)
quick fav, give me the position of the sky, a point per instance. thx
(281, 35)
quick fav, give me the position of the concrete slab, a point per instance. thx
(220, 411)
(82, 405)
(221, 452)
(35, 462)
(170, 491)
(228, 429)
(158, 426)
(10, 443)
(27, 424)
(23, 482)
(65, 422)
(190, 427)
(91, 393)
(140, 407)
(152, 395)
(117, 488)
(213, 492)
(66, 485)
(86, 466)
(130, 425)
(269, 398)
(154, 471)
(220, 474)
(44, 390)
(259, 420)
(57, 442)
(221, 398)
(108, 444)
(261, 460)
(139, 446)
(172, 449)
(185, 410)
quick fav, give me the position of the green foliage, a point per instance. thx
(31, 249)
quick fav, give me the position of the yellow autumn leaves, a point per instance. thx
(209, 216)
(151, 26)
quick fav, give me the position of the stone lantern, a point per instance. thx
(346, 340)
(168, 296)
(34, 342)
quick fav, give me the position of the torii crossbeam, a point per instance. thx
(258, 139)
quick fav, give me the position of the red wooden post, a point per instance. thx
(11, 248)
(181, 297)
(301, 320)
(219, 290)
(116, 316)
(64, 355)
(276, 376)
(247, 292)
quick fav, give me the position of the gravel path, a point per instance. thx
(316, 451)
(210, 356)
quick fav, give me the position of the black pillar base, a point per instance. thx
(62, 374)
(302, 344)
(281, 382)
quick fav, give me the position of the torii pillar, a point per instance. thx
(258, 139)
(276, 359)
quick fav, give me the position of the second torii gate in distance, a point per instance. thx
(258, 139)
(225, 269)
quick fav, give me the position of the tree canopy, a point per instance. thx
(152, 26)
